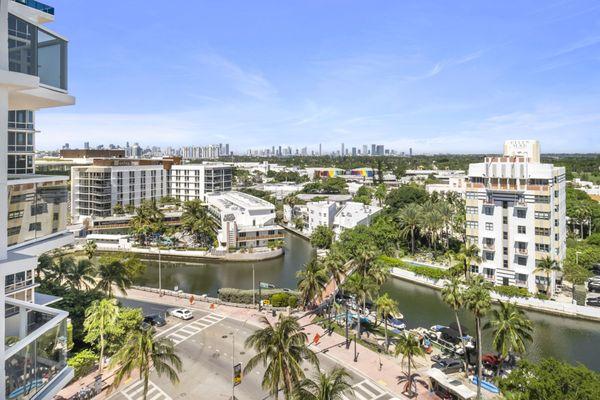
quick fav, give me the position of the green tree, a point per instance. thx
(90, 247)
(363, 195)
(479, 302)
(433, 223)
(322, 237)
(198, 222)
(61, 269)
(129, 208)
(326, 386)
(467, 255)
(386, 308)
(363, 288)
(299, 223)
(118, 209)
(118, 271)
(453, 295)
(99, 319)
(380, 193)
(81, 275)
(280, 348)
(408, 345)
(143, 351)
(547, 266)
(311, 281)
(128, 320)
(44, 266)
(409, 194)
(511, 330)
(409, 218)
(82, 362)
(551, 379)
(147, 221)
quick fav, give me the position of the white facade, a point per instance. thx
(455, 184)
(245, 221)
(281, 189)
(320, 213)
(353, 214)
(195, 181)
(32, 208)
(97, 189)
(516, 214)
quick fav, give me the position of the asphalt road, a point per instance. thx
(206, 347)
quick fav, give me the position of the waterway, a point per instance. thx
(563, 338)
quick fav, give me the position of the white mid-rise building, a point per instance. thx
(33, 76)
(353, 214)
(320, 213)
(516, 214)
(97, 189)
(195, 181)
(244, 220)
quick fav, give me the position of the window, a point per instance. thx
(542, 215)
(505, 235)
(35, 226)
(471, 195)
(38, 209)
(505, 251)
(13, 231)
(521, 229)
(521, 213)
(487, 210)
(542, 199)
(471, 210)
(488, 255)
(505, 220)
(505, 264)
(472, 224)
(489, 226)
(542, 231)
(521, 260)
(544, 248)
(15, 214)
(521, 278)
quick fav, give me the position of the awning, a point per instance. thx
(451, 384)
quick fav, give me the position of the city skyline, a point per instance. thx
(402, 75)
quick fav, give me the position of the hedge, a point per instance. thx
(422, 270)
(232, 295)
(512, 291)
(83, 362)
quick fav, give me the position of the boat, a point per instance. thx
(490, 387)
(396, 323)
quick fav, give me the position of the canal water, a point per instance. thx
(563, 338)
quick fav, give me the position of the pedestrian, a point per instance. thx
(379, 355)
(192, 300)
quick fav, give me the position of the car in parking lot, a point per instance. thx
(594, 284)
(154, 320)
(181, 313)
(448, 365)
(594, 302)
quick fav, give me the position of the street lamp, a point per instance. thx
(159, 274)
(347, 327)
(577, 253)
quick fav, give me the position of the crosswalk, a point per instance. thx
(366, 390)
(136, 392)
(189, 330)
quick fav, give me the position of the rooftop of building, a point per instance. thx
(207, 165)
(352, 207)
(231, 201)
(330, 197)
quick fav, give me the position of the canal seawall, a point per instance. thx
(194, 255)
(533, 304)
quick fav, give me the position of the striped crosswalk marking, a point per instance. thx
(136, 392)
(189, 330)
(365, 390)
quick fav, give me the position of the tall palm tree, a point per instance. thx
(90, 249)
(198, 222)
(409, 218)
(479, 302)
(511, 330)
(408, 345)
(113, 271)
(446, 212)
(61, 269)
(81, 275)
(363, 289)
(380, 193)
(326, 386)
(100, 318)
(453, 295)
(311, 281)
(467, 256)
(386, 307)
(147, 221)
(280, 348)
(143, 351)
(44, 265)
(547, 265)
(433, 223)
(335, 266)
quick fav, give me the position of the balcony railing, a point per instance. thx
(37, 6)
(522, 251)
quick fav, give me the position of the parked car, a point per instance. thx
(594, 284)
(181, 313)
(595, 302)
(448, 365)
(155, 320)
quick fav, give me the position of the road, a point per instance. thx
(206, 347)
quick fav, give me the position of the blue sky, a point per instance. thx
(437, 76)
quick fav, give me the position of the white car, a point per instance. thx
(182, 313)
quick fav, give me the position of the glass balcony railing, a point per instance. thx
(37, 6)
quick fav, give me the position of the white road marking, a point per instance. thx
(365, 390)
(197, 326)
(135, 392)
(168, 330)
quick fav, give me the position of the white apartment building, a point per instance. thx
(201, 152)
(320, 213)
(456, 184)
(516, 214)
(33, 76)
(353, 214)
(244, 221)
(97, 189)
(195, 181)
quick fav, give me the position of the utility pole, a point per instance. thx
(347, 327)
(253, 287)
(159, 274)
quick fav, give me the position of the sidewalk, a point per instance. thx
(366, 365)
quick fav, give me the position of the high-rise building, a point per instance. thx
(380, 151)
(343, 152)
(516, 215)
(354, 152)
(410, 152)
(320, 152)
(86, 145)
(373, 149)
(33, 219)
(194, 181)
(365, 150)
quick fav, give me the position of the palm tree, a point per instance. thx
(335, 266)
(433, 223)
(44, 266)
(511, 330)
(81, 275)
(113, 271)
(386, 307)
(100, 318)
(325, 386)
(143, 351)
(453, 295)
(547, 265)
(198, 222)
(467, 256)
(362, 288)
(409, 218)
(380, 193)
(61, 269)
(479, 302)
(280, 348)
(408, 345)
(311, 281)
(446, 212)
(90, 249)
(147, 221)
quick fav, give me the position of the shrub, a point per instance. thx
(512, 291)
(241, 296)
(422, 270)
(83, 362)
(280, 300)
(293, 301)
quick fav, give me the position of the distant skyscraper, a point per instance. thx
(410, 152)
(354, 152)
(86, 145)
(343, 152)
(373, 149)
(320, 152)
(379, 151)
(365, 150)
(279, 151)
